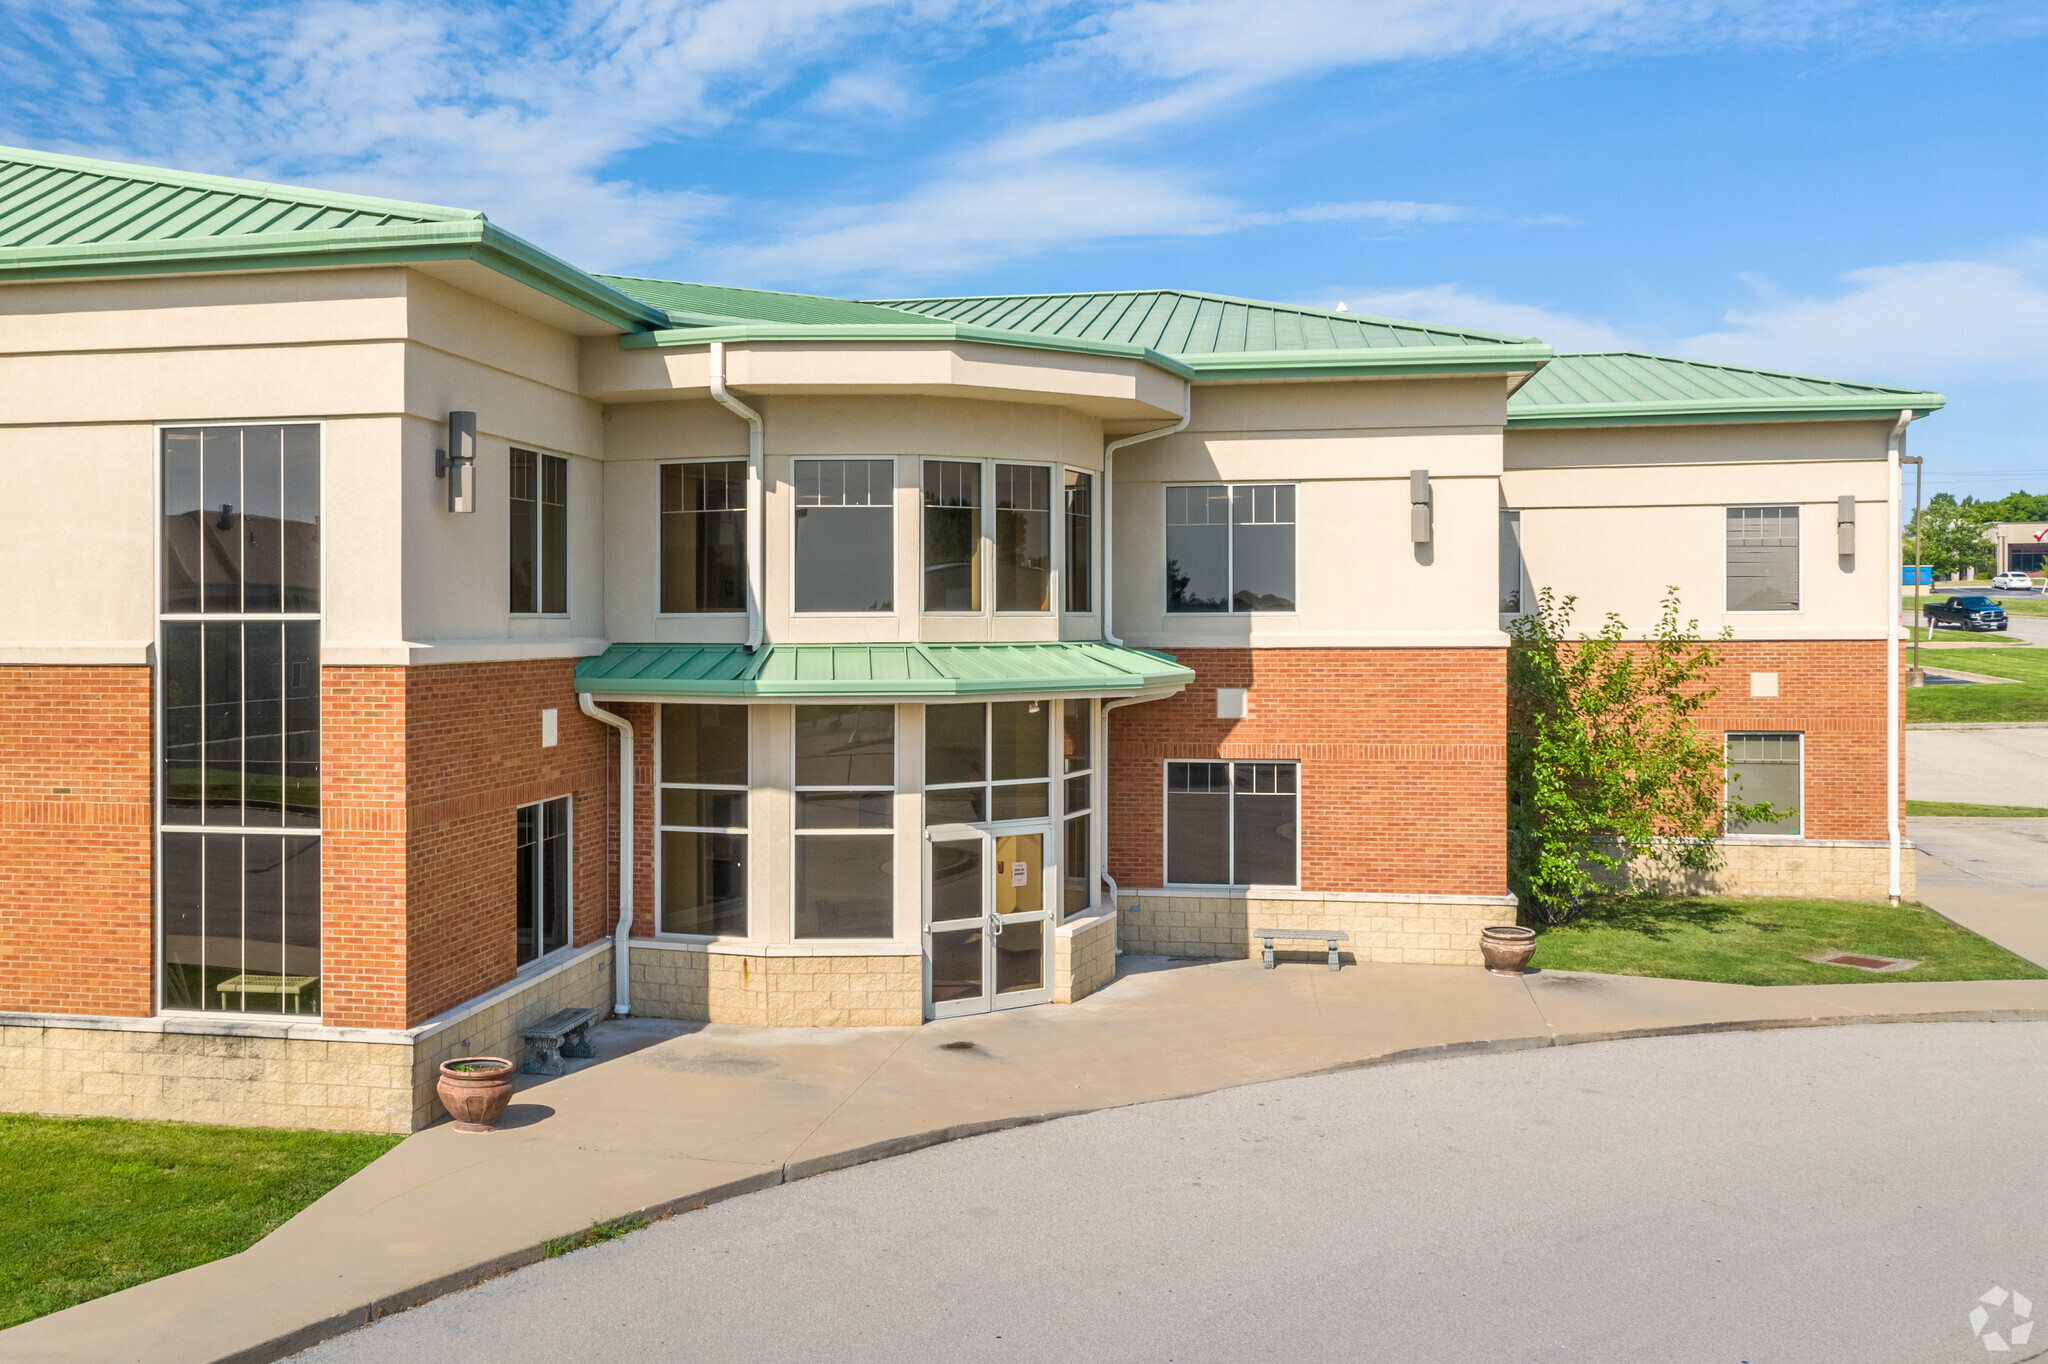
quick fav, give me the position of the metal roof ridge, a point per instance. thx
(230, 183)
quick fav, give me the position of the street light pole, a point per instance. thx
(1917, 677)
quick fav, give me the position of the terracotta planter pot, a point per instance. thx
(1507, 949)
(475, 1098)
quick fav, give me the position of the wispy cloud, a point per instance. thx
(1450, 305)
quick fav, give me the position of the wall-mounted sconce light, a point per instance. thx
(457, 463)
(1845, 524)
(1418, 506)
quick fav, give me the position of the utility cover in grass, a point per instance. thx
(1771, 942)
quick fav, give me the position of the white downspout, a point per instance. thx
(622, 976)
(1893, 777)
(1187, 410)
(755, 511)
(1102, 824)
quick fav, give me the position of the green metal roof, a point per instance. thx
(68, 217)
(1628, 388)
(850, 671)
(691, 304)
(1223, 337)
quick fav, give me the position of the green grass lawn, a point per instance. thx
(1954, 808)
(1985, 703)
(94, 1205)
(1930, 635)
(1764, 942)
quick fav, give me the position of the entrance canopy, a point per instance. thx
(909, 672)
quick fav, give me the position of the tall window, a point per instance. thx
(1023, 537)
(1232, 824)
(1763, 558)
(845, 545)
(239, 719)
(540, 534)
(845, 827)
(1079, 573)
(952, 536)
(703, 537)
(543, 883)
(987, 761)
(703, 820)
(1766, 767)
(1230, 547)
(1513, 598)
(1078, 765)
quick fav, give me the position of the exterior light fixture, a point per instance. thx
(457, 463)
(1845, 525)
(1418, 506)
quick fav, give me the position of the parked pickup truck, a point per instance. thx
(1972, 613)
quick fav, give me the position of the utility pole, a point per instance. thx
(1916, 676)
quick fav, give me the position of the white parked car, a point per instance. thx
(2018, 580)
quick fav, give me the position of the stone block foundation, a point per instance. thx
(1084, 956)
(717, 984)
(1425, 930)
(1805, 869)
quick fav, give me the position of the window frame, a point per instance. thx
(1091, 813)
(891, 830)
(540, 559)
(659, 614)
(746, 830)
(895, 536)
(1066, 567)
(1524, 588)
(1230, 607)
(1796, 835)
(1055, 567)
(1798, 562)
(1230, 825)
(156, 704)
(1052, 780)
(984, 531)
(540, 959)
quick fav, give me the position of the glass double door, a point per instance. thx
(987, 916)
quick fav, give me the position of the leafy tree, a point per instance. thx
(2019, 506)
(1951, 539)
(1609, 776)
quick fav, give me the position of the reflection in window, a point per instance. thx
(703, 820)
(1077, 782)
(1763, 558)
(1023, 537)
(952, 536)
(1765, 768)
(845, 843)
(543, 880)
(845, 547)
(241, 519)
(1232, 824)
(987, 761)
(703, 537)
(241, 922)
(540, 534)
(1230, 547)
(1078, 572)
(1512, 572)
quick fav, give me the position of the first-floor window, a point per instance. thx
(987, 761)
(703, 820)
(241, 922)
(1765, 768)
(1232, 824)
(543, 878)
(1076, 805)
(845, 822)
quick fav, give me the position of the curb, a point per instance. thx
(341, 1323)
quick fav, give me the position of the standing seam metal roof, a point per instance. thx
(1619, 385)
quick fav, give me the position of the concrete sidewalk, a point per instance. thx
(674, 1116)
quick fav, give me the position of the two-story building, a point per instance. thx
(413, 633)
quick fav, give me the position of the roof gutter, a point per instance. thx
(755, 511)
(1187, 410)
(1895, 448)
(622, 972)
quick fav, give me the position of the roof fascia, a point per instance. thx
(1336, 364)
(895, 331)
(1857, 407)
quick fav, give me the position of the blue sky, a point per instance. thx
(1858, 190)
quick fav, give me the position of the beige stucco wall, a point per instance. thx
(1349, 446)
(1415, 930)
(1613, 515)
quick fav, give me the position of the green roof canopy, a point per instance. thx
(851, 671)
(1627, 388)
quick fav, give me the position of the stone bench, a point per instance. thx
(1329, 939)
(561, 1034)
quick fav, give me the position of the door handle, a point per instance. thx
(995, 925)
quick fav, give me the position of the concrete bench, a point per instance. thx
(1328, 939)
(560, 1034)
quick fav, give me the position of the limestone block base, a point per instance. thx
(1815, 869)
(713, 985)
(1084, 956)
(1425, 930)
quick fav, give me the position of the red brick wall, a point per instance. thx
(473, 756)
(1832, 691)
(1403, 762)
(76, 892)
(363, 847)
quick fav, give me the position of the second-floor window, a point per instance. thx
(1230, 547)
(845, 543)
(952, 535)
(1023, 537)
(703, 537)
(540, 534)
(1078, 572)
(1763, 558)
